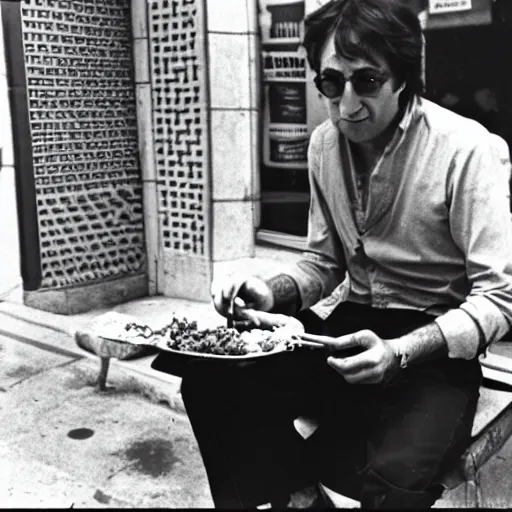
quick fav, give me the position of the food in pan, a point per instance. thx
(185, 336)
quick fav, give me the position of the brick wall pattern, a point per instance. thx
(179, 124)
(79, 69)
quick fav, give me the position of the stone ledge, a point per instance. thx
(79, 299)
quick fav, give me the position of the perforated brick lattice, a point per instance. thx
(180, 128)
(78, 56)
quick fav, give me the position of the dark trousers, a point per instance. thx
(381, 444)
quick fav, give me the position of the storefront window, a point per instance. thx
(292, 109)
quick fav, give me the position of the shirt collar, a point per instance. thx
(410, 113)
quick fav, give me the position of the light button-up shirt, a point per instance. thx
(437, 235)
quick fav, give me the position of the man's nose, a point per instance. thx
(350, 101)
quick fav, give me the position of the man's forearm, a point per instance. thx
(286, 294)
(420, 345)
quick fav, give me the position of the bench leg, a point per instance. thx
(102, 377)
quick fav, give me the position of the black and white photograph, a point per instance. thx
(256, 254)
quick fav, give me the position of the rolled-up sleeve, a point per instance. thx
(480, 222)
(322, 266)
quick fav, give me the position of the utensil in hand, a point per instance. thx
(231, 312)
(333, 345)
(310, 344)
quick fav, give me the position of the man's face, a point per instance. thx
(361, 118)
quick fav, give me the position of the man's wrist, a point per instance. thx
(286, 296)
(422, 344)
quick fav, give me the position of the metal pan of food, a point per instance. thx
(261, 335)
(249, 342)
(232, 346)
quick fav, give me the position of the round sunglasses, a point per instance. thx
(365, 82)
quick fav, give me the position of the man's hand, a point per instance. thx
(376, 364)
(247, 293)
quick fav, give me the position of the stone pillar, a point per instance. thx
(143, 94)
(181, 139)
(234, 110)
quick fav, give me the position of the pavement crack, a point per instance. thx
(122, 468)
(61, 365)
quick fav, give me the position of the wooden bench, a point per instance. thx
(492, 428)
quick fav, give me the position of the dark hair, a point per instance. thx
(363, 28)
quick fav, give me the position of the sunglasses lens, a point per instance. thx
(331, 87)
(366, 86)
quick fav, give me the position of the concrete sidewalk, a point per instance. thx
(66, 443)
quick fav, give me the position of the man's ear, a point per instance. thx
(402, 87)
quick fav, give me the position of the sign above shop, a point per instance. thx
(443, 6)
(458, 13)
